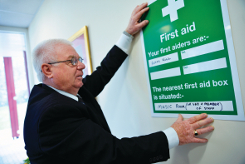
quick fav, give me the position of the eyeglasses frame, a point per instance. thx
(75, 61)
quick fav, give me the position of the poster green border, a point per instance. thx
(226, 115)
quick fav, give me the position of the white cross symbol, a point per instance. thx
(172, 8)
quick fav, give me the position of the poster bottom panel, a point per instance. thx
(195, 106)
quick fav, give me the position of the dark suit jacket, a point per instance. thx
(59, 130)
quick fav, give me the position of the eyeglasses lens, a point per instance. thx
(80, 59)
(75, 60)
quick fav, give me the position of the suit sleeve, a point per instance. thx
(96, 82)
(66, 134)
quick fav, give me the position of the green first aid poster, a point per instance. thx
(190, 60)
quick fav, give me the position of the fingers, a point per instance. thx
(205, 130)
(140, 7)
(186, 128)
(134, 25)
(141, 12)
(201, 123)
(199, 140)
(141, 24)
(197, 118)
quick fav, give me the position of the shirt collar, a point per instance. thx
(65, 93)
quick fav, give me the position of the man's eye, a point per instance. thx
(73, 61)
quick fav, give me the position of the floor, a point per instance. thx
(11, 150)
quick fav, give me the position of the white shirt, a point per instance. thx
(124, 43)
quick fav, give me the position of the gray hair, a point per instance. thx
(46, 52)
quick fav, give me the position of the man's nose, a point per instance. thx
(80, 65)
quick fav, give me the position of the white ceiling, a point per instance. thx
(18, 13)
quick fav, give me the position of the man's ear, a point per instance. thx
(46, 69)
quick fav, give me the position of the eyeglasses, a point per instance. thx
(73, 61)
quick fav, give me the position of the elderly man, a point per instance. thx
(65, 124)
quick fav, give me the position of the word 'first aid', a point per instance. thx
(175, 33)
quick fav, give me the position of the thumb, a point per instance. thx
(180, 118)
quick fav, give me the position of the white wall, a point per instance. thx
(125, 100)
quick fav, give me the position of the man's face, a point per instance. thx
(67, 77)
